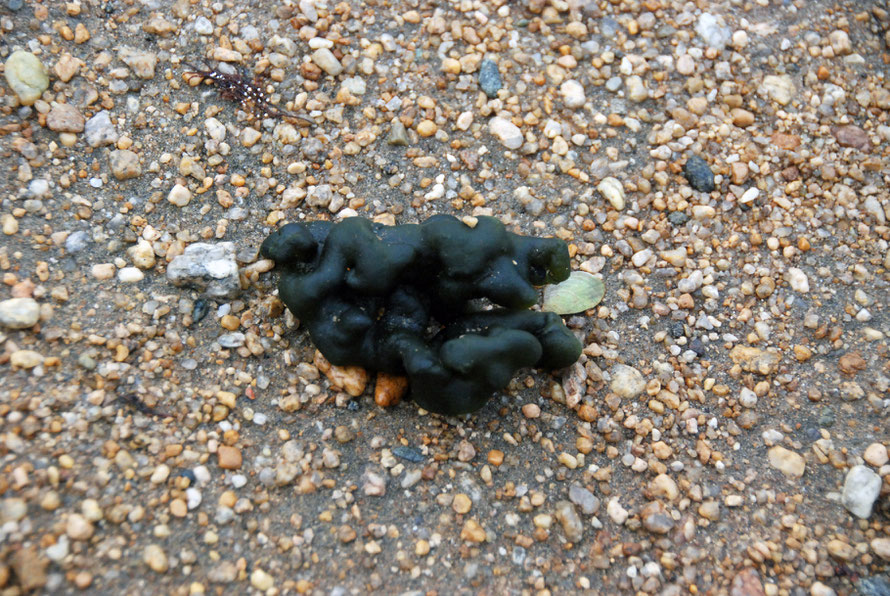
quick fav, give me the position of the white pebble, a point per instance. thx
(749, 195)
(179, 195)
(193, 497)
(798, 281)
(326, 61)
(747, 398)
(130, 275)
(613, 190)
(203, 26)
(506, 132)
(202, 474)
(572, 93)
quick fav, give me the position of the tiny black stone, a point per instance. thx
(677, 329)
(200, 310)
(678, 218)
(699, 174)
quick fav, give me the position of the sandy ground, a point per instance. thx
(725, 431)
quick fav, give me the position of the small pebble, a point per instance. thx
(130, 275)
(19, 313)
(786, 461)
(779, 88)
(229, 457)
(64, 117)
(616, 512)
(699, 174)
(398, 134)
(875, 455)
(179, 195)
(572, 93)
(797, 279)
(326, 60)
(26, 76)
(78, 527)
(103, 271)
(155, 557)
(613, 191)
(627, 382)
(861, 489)
(506, 132)
(490, 78)
(142, 63)
(124, 164)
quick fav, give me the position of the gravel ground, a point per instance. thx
(723, 166)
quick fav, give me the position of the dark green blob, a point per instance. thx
(406, 300)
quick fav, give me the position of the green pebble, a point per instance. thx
(26, 76)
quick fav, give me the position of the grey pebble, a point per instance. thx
(398, 135)
(99, 130)
(490, 78)
(583, 498)
(76, 242)
(408, 453)
(231, 340)
(678, 218)
(875, 585)
(209, 267)
(609, 27)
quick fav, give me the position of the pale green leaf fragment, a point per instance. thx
(578, 293)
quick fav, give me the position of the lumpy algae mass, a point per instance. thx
(441, 302)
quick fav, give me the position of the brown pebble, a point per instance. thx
(851, 136)
(742, 118)
(531, 410)
(346, 534)
(786, 141)
(587, 413)
(851, 363)
(83, 580)
(496, 457)
(389, 389)
(230, 322)
(461, 503)
(30, 568)
(755, 360)
(747, 583)
(802, 353)
(472, 531)
(765, 288)
(178, 508)
(841, 550)
(352, 379)
(229, 457)
(739, 172)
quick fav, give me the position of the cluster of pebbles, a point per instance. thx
(166, 427)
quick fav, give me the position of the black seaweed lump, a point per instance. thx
(416, 299)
